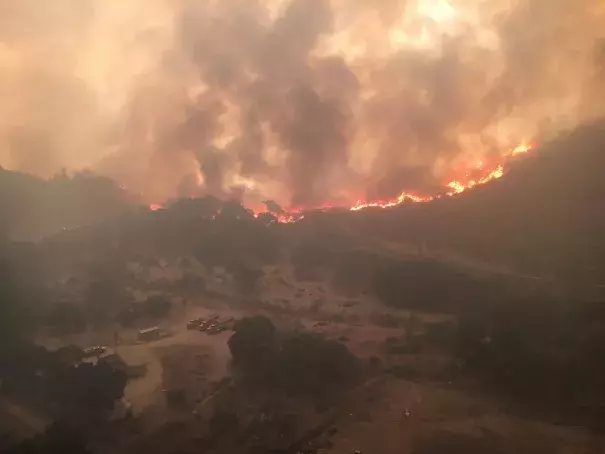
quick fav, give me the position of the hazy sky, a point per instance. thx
(302, 101)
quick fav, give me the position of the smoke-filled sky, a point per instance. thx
(301, 101)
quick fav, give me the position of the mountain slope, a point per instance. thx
(31, 207)
(546, 217)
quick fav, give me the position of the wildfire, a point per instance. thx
(403, 197)
(520, 149)
(455, 187)
(290, 218)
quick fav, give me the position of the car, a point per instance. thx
(150, 334)
(195, 323)
(97, 350)
(216, 330)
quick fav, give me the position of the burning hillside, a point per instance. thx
(306, 102)
(476, 175)
(548, 199)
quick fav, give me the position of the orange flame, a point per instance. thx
(520, 149)
(403, 197)
(458, 187)
(455, 187)
(290, 218)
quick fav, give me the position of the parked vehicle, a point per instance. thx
(149, 334)
(195, 323)
(94, 351)
(203, 326)
(216, 330)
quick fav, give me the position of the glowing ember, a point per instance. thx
(155, 207)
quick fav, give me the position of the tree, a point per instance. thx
(205, 207)
(304, 363)
(103, 296)
(246, 277)
(157, 306)
(25, 366)
(253, 346)
(309, 258)
(267, 218)
(192, 285)
(311, 364)
(222, 421)
(89, 389)
(59, 438)
(273, 207)
(13, 318)
(212, 248)
(232, 210)
(66, 317)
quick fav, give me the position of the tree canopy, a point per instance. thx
(13, 318)
(311, 364)
(253, 346)
(298, 363)
(59, 438)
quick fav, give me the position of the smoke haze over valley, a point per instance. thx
(302, 101)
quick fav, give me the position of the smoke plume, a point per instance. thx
(299, 101)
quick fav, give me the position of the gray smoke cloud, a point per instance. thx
(300, 101)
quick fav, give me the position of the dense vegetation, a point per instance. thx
(542, 356)
(59, 438)
(544, 218)
(49, 381)
(297, 363)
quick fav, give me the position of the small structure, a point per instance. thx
(149, 334)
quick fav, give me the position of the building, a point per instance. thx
(149, 334)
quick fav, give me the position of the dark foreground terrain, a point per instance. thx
(192, 330)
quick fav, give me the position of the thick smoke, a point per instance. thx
(301, 101)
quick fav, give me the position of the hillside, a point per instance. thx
(544, 218)
(31, 208)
